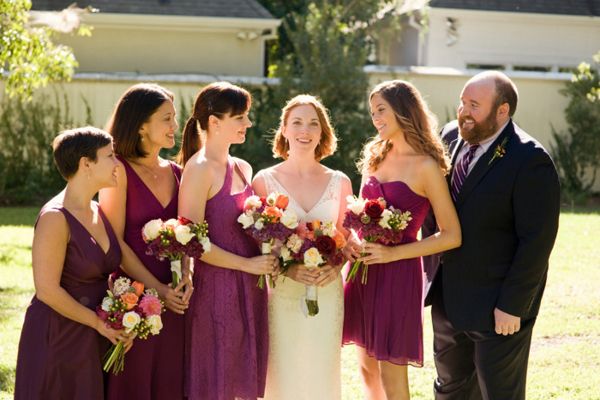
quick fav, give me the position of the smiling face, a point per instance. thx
(232, 127)
(303, 129)
(104, 169)
(383, 117)
(477, 116)
(160, 129)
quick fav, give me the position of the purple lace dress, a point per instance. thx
(60, 358)
(154, 366)
(385, 316)
(226, 325)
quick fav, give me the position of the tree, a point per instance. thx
(577, 152)
(321, 49)
(27, 51)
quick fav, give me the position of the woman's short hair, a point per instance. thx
(328, 143)
(134, 109)
(73, 144)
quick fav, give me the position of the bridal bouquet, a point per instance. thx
(314, 245)
(376, 224)
(267, 219)
(174, 238)
(128, 307)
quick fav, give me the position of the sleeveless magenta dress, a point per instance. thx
(154, 366)
(226, 325)
(60, 358)
(385, 316)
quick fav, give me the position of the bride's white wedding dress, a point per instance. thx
(305, 352)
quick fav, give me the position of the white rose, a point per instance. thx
(385, 219)
(155, 324)
(106, 303)
(289, 219)
(285, 253)
(253, 202)
(183, 234)
(312, 257)
(272, 198)
(130, 321)
(205, 242)
(355, 205)
(246, 220)
(259, 224)
(151, 229)
(329, 229)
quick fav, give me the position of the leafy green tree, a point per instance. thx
(29, 54)
(577, 152)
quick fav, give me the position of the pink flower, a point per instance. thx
(150, 305)
(302, 230)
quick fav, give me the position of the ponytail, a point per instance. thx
(191, 141)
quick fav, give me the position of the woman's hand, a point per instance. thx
(352, 248)
(328, 274)
(261, 265)
(174, 299)
(301, 274)
(379, 254)
(114, 335)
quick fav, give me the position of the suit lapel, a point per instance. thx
(483, 165)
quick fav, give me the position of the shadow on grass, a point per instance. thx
(8, 305)
(580, 209)
(7, 378)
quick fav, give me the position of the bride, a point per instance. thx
(305, 352)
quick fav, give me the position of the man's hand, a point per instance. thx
(506, 324)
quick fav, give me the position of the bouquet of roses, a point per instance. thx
(128, 307)
(267, 219)
(376, 224)
(314, 245)
(174, 238)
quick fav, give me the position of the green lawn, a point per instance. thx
(564, 356)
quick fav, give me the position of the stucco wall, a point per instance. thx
(520, 39)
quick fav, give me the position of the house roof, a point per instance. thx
(192, 8)
(567, 7)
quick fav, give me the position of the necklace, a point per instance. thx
(147, 168)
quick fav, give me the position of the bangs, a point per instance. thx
(240, 101)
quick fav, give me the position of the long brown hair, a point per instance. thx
(134, 109)
(218, 99)
(328, 141)
(417, 123)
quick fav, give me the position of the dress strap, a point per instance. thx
(236, 165)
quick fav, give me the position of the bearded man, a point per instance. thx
(486, 294)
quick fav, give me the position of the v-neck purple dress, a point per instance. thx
(226, 325)
(60, 358)
(154, 366)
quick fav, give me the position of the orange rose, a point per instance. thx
(310, 235)
(273, 211)
(282, 201)
(316, 224)
(139, 288)
(130, 299)
(340, 241)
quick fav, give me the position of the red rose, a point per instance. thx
(325, 245)
(184, 220)
(263, 200)
(374, 209)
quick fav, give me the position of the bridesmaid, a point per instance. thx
(142, 123)
(226, 325)
(74, 250)
(405, 164)
(305, 353)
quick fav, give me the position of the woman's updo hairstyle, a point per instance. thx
(219, 99)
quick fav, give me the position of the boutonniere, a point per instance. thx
(499, 153)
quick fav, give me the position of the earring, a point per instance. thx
(141, 138)
(216, 132)
(88, 174)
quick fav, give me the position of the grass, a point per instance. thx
(564, 358)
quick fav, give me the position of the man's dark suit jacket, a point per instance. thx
(508, 209)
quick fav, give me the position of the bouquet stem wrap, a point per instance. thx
(266, 249)
(175, 272)
(312, 299)
(357, 264)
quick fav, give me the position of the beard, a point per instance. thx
(480, 130)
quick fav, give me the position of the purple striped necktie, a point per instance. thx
(461, 170)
